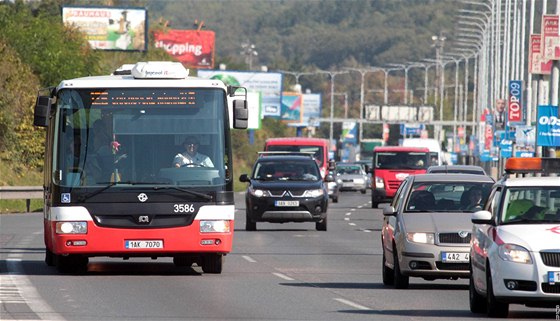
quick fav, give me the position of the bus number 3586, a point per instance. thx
(183, 208)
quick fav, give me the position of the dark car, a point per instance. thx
(285, 188)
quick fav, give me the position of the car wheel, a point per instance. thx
(477, 302)
(387, 273)
(335, 199)
(363, 191)
(494, 308)
(322, 225)
(212, 263)
(400, 281)
(249, 224)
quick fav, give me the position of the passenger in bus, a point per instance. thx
(191, 156)
(100, 159)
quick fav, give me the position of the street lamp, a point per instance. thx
(331, 75)
(296, 75)
(248, 50)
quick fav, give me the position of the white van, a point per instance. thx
(436, 155)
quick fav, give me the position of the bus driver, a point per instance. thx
(191, 155)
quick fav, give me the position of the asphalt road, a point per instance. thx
(280, 272)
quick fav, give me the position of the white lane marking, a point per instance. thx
(249, 259)
(367, 231)
(348, 214)
(347, 219)
(352, 209)
(353, 224)
(29, 293)
(360, 206)
(282, 276)
(352, 304)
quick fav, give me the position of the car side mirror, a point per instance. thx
(482, 217)
(244, 178)
(329, 178)
(389, 211)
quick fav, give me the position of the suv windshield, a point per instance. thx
(286, 169)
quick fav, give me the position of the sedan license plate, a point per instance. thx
(454, 257)
(553, 277)
(143, 244)
(286, 203)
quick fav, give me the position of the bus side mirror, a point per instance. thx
(42, 110)
(240, 114)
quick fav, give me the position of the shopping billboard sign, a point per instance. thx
(193, 48)
(109, 28)
(537, 63)
(550, 46)
(515, 112)
(548, 126)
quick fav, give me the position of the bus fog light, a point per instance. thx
(71, 227)
(220, 226)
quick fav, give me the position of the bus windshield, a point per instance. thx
(148, 136)
(401, 160)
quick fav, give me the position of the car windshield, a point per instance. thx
(283, 170)
(448, 197)
(352, 170)
(531, 205)
(401, 160)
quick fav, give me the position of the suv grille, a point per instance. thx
(551, 258)
(454, 238)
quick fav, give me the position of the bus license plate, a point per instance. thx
(454, 257)
(143, 244)
(553, 277)
(287, 203)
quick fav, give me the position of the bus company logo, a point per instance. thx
(401, 176)
(142, 197)
(143, 219)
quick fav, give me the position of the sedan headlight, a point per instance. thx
(379, 182)
(425, 238)
(313, 193)
(219, 226)
(71, 227)
(514, 253)
(259, 192)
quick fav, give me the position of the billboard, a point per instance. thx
(109, 28)
(269, 84)
(548, 126)
(515, 112)
(193, 48)
(550, 46)
(291, 106)
(311, 109)
(537, 63)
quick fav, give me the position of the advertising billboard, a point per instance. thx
(537, 63)
(269, 84)
(311, 109)
(193, 48)
(109, 28)
(291, 106)
(548, 126)
(550, 46)
(515, 112)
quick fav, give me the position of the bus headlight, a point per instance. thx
(215, 226)
(514, 253)
(71, 227)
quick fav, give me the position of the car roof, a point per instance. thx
(400, 149)
(454, 168)
(276, 158)
(436, 177)
(532, 181)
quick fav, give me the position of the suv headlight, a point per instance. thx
(425, 238)
(313, 193)
(514, 253)
(259, 192)
(379, 182)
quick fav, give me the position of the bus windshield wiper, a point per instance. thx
(201, 195)
(111, 184)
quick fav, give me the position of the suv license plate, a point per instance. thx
(553, 277)
(143, 244)
(454, 257)
(287, 203)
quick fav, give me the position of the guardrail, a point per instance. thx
(21, 192)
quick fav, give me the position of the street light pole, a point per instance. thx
(363, 72)
(248, 50)
(296, 75)
(331, 75)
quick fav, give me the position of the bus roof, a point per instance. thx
(400, 149)
(127, 81)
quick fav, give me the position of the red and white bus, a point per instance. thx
(318, 146)
(111, 188)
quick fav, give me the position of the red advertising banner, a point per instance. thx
(537, 65)
(550, 46)
(193, 48)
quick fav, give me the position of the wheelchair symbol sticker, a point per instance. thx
(65, 197)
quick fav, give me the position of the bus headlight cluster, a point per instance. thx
(215, 226)
(71, 227)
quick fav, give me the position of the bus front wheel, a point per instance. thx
(212, 263)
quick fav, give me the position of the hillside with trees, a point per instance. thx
(297, 35)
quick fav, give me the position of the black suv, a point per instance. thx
(285, 187)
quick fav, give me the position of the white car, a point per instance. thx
(515, 244)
